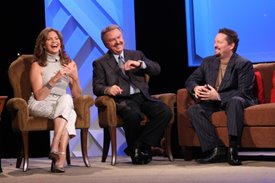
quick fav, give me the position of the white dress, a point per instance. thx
(58, 103)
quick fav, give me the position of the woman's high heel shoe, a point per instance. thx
(58, 169)
(53, 155)
(53, 166)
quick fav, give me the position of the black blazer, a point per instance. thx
(106, 73)
(239, 78)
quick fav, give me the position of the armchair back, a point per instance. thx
(19, 76)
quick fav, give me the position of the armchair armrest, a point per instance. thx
(169, 99)
(82, 105)
(19, 111)
(106, 111)
(184, 99)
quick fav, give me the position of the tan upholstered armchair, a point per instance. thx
(109, 121)
(23, 122)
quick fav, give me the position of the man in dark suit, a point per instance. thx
(120, 74)
(224, 81)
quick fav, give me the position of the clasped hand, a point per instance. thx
(66, 71)
(206, 92)
(115, 89)
(131, 64)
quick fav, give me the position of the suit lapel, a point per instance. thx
(114, 65)
(228, 72)
(111, 61)
(214, 72)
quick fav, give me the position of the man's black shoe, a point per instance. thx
(233, 158)
(218, 154)
(140, 158)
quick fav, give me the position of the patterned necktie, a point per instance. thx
(121, 63)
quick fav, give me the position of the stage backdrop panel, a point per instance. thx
(81, 22)
(253, 21)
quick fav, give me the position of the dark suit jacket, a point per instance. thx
(106, 73)
(239, 78)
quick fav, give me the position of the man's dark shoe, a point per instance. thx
(141, 157)
(218, 154)
(233, 158)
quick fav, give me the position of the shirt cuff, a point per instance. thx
(219, 97)
(142, 64)
(106, 91)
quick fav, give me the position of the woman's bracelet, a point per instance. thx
(48, 85)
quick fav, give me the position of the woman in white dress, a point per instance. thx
(51, 73)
